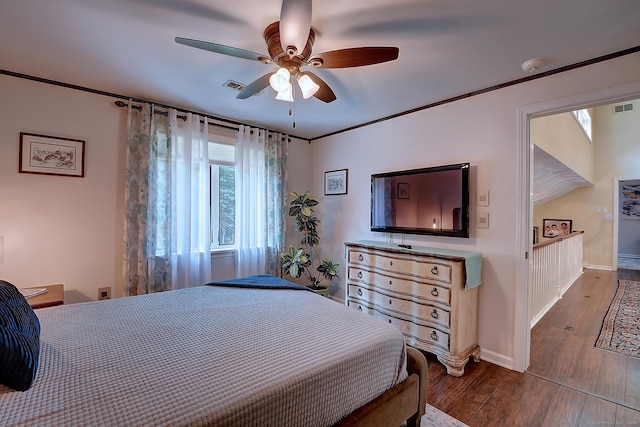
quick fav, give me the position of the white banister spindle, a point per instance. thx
(556, 265)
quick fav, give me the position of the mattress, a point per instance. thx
(207, 355)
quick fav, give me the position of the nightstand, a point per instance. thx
(54, 296)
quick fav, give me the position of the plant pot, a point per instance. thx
(324, 291)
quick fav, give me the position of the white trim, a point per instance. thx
(497, 359)
(522, 331)
(598, 267)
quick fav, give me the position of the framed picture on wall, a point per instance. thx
(403, 190)
(51, 155)
(557, 227)
(335, 182)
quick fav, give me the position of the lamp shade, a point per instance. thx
(286, 95)
(279, 80)
(307, 86)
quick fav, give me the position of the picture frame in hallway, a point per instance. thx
(336, 182)
(556, 227)
(51, 155)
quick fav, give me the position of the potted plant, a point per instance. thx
(305, 260)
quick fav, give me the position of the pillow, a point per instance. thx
(19, 339)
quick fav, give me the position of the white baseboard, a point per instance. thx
(497, 359)
(598, 267)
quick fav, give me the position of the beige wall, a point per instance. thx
(561, 136)
(616, 142)
(482, 130)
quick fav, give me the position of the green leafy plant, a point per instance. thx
(305, 260)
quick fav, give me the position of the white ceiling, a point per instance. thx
(447, 48)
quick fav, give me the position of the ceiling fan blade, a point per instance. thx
(354, 57)
(324, 93)
(254, 87)
(220, 48)
(295, 24)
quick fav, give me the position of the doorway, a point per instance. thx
(522, 338)
(627, 223)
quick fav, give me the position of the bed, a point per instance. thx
(256, 351)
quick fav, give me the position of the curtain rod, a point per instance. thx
(183, 117)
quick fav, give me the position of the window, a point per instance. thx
(222, 156)
(584, 118)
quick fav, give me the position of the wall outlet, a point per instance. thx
(104, 293)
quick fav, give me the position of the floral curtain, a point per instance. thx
(147, 266)
(167, 226)
(261, 193)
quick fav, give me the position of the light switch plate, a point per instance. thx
(483, 198)
(483, 220)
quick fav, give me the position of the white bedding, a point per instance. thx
(206, 356)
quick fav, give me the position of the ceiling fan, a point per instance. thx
(289, 43)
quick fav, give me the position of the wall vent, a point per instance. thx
(622, 108)
(231, 84)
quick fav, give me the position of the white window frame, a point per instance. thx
(215, 189)
(583, 117)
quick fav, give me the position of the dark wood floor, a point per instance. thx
(569, 383)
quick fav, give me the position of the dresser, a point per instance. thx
(429, 294)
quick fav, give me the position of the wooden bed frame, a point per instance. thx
(404, 402)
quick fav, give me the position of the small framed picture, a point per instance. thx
(403, 190)
(51, 155)
(556, 227)
(335, 182)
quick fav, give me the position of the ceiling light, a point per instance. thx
(308, 86)
(279, 80)
(286, 95)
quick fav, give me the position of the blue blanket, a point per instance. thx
(259, 281)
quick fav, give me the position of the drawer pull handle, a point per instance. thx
(434, 313)
(391, 282)
(359, 274)
(360, 257)
(389, 320)
(390, 262)
(359, 308)
(434, 292)
(434, 336)
(359, 292)
(434, 270)
(390, 301)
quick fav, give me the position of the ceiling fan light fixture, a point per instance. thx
(286, 95)
(279, 80)
(307, 86)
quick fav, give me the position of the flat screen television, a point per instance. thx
(433, 200)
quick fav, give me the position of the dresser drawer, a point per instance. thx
(407, 287)
(411, 331)
(421, 312)
(430, 268)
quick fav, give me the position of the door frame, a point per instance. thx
(524, 209)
